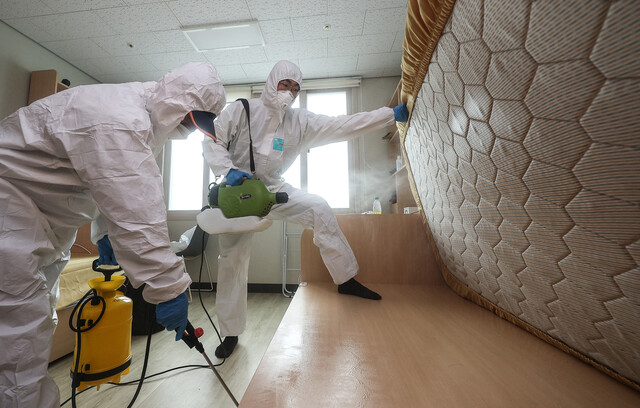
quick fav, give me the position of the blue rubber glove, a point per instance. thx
(173, 315)
(105, 250)
(235, 177)
(401, 113)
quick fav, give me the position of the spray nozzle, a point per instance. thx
(191, 335)
(107, 272)
(282, 198)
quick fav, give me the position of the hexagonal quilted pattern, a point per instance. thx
(525, 148)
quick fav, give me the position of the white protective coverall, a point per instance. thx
(299, 129)
(63, 159)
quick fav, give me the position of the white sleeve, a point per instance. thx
(215, 151)
(321, 129)
(98, 229)
(217, 157)
(129, 194)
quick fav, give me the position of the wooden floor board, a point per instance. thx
(187, 387)
(420, 346)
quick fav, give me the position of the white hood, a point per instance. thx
(193, 86)
(282, 70)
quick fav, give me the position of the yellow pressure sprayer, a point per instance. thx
(102, 322)
(102, 325)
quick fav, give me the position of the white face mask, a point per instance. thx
(285, 99)
(180, 133)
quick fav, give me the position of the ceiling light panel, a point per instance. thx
(225, 37)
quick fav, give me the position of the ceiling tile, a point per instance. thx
(298, 49)
(89, 66)
(77, 49)
(108, 78)
(138, 19)
(131, 77)
(21, 8)
(231, 73)
(276, 30)
(277, 9)
(385, 20)
(119, 45)
(308, 28)
(129, 63)
(149, 75)
(318, 73)
(137, 2)
(67, 26)
(341, 6)
(259, 72)
(365, 44)
(316, 66)
(173, 40)
(67, 6)
(237, 56)
(26, 27)
(380, 4)
(168, 61)
(374, 61)
(201, 12)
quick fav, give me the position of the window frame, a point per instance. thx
(352, 147)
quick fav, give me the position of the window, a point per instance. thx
(327, 167)
(186, 174)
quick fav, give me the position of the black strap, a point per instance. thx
(245, 103)
(85, 377)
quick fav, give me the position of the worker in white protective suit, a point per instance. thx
(278, 135)
(63, 159)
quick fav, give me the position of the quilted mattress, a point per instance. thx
(524, 147)
(73, 280)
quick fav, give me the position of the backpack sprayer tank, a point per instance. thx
(103, 332)
(251, 198)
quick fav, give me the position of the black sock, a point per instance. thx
(225, 349)
(353, 287)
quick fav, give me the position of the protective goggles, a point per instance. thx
(203, 121)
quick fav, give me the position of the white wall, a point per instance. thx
(266, 254)
(373, 174)
(375, 165)
(18, 57)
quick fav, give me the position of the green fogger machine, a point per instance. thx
(251, 198)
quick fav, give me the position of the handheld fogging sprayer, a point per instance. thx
(239, 209)
(103, 332)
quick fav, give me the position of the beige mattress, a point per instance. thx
(524, 148)
(74, 278)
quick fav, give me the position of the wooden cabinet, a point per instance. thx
(404, 196)
(44, 83)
